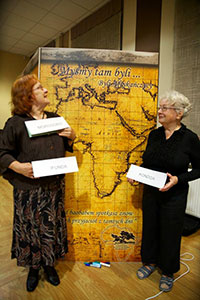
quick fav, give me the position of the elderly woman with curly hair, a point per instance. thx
(39, 227)
(170, 149)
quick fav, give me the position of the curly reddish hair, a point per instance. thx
(21, 94)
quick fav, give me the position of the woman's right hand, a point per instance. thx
(131, 181)
(22, 168)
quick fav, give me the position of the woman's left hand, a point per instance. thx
(173, 180)
(68, 133)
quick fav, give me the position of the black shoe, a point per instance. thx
(32, 279)
(52, 275)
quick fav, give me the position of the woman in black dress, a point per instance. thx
(39, 227)
(170, 149)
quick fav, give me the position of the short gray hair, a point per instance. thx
(178, 100)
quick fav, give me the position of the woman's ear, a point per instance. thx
(179, 114)
(32, 97)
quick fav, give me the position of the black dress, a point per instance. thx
(163, 212)
(39, 226)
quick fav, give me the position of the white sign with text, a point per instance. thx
(147, 176)
(54, 166)
(45, 126)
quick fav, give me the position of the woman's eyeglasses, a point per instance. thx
(39, 87)
(165, 108)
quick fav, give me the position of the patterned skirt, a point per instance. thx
(39, 227)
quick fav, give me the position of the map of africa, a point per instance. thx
(112, 107)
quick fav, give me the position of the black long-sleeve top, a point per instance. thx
(15, 144)
(174, 155)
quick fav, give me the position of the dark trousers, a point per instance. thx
(163, 219)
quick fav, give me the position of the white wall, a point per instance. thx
(166, 46)
(166, 38)
(129, 25)
(11, 65)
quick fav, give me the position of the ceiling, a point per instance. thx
(26, 25)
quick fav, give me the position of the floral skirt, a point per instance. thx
(39, 227)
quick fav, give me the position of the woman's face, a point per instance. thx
(167, 113)
(40, 95)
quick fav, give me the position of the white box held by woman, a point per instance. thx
(54, 166)
(45, 126)
(147, 176)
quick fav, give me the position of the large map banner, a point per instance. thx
(110, 99)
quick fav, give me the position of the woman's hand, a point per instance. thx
(68, 133)
(173, 180)
(22, 168)
(131, 181)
